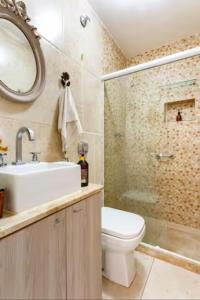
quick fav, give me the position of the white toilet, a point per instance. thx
(121, 234)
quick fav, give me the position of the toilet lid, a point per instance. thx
(121, 224)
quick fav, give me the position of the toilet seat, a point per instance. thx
(121, 224)
(113, 243)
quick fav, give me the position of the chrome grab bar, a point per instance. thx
(163, 155)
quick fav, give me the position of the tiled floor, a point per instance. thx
(156, 279)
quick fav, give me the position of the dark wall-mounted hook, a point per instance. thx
(65, 79)
(84, 20)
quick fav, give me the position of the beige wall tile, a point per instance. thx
(73, 31)
(99, 159)
(93, 103)
(47, 16)
(67, 48)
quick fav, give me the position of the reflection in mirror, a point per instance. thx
(18, 68)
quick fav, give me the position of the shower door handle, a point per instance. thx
(159, 156)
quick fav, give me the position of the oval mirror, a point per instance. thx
(22, 65)
(17, 62)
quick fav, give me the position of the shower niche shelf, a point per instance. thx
(186, 107)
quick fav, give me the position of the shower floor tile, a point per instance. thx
(179, 239)
(184, 243)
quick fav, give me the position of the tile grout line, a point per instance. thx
(143, 290)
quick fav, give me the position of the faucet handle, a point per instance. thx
(35, 156)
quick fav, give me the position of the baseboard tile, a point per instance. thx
(170, 257)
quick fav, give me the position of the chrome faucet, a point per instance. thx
(20, 133)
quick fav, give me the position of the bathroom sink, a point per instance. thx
(30, 185)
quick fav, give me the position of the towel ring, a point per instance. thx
(65, 79)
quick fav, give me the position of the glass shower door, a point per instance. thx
(151, 160)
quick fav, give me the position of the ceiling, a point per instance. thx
(141, 25)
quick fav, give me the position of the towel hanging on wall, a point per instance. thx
(69, 124)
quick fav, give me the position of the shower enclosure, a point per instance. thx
(152, 161)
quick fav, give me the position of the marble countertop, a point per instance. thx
(11, 223)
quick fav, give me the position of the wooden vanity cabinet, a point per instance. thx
(31, 261)
(58, 257)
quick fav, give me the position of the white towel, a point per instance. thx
(68, 120)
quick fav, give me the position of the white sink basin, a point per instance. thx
(34, 184)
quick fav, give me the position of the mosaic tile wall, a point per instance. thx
(168, 49)
(85, 54)
(167, 189)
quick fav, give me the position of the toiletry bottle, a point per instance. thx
(84, 171)
(3, 154)
(179, 117)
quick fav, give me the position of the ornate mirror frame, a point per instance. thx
(16, 13)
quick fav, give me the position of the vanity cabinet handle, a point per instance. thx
(57, 221)
(77, 210)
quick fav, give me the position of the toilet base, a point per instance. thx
(119, 267)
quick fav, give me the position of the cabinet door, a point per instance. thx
(93, 247)
(75, 246)
(32, 261)
(83, 246)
